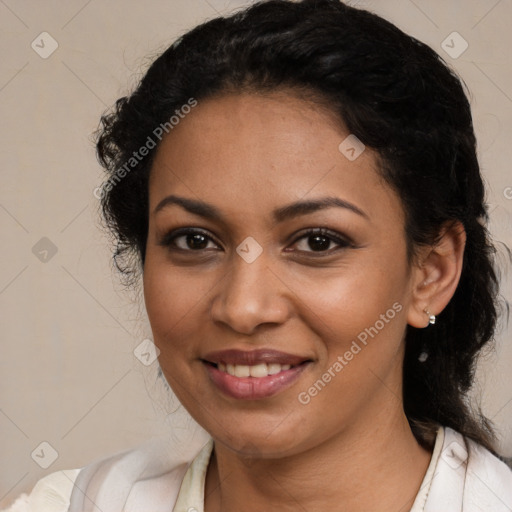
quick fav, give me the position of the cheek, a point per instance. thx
(356, 314)
(352, 298)
(358, 323)
(173, 299)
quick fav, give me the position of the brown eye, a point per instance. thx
(321, 240)
(313, 241)
(193, 240)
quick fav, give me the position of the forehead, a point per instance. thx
(248, 153)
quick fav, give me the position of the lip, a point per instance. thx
(253, 357)
(254, 388)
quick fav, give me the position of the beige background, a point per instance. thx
(69, 376)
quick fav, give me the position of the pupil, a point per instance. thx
(196, 241)
(318, 246)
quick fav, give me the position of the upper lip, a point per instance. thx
(253, 357)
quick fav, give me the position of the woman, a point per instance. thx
(299, 186)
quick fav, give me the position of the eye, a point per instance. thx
(194, 240)
(319, 241)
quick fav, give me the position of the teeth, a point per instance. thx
(242, 371)
(274, 368)
(257, 371)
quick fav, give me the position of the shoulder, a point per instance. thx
(50, 494)
(147, 477)
(488, 479)
(482, 479)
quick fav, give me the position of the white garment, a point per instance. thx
(462, 477)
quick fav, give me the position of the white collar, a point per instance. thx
(467, 478)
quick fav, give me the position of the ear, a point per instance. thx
(436, 274)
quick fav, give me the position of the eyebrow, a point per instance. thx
(281, 214)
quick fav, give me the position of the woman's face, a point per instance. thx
(250, 290)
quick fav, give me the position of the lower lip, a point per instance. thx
(254, 388)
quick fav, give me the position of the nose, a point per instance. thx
(250, 294)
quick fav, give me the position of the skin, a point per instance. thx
(351, 446)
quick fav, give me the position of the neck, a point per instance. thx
(375, 465)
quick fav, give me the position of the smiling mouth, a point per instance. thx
(258, 380)
(257, 371)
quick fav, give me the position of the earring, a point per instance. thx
(431, 317)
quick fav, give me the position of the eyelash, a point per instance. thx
(168, 239)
